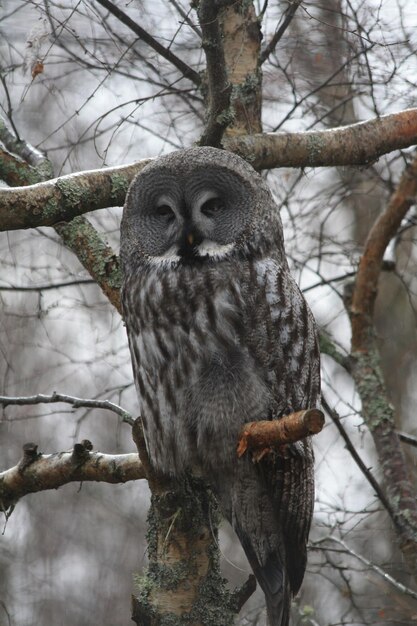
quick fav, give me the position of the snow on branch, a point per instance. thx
(39, 472)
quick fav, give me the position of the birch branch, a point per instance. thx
(39, 472)
(62, 199)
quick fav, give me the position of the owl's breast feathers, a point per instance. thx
(213, 347)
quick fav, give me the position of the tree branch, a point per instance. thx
(96, 256)
(383, 230)
(30, 155)
(39, 472)
(219, 86)
(365, 471)
(260, 437)
(62, 199)
(356, 144)
(73, 400)
(166, 53)
(377, 410)
(288, 16)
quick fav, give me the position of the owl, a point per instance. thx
(220, 335)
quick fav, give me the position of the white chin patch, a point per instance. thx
(169, 258)
(213, 249)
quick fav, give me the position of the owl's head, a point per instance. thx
(195, 205)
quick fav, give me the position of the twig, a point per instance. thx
(73, 400)
(70, 283)
(39, 472)
(387, 577)
(242, 594)
(412, 441)
(262, 435)
(288, 16)
(365, 471)
(187, 71)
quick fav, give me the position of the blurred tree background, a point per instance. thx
(83, 86)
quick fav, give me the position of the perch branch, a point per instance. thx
(74, 401)
(356, 144)
(258, 436)
(62, 199)
(39, 472)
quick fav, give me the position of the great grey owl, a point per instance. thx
(220, 335)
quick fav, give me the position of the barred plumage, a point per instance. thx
(220, 335)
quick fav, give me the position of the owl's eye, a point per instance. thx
(212, 207)
(165, 211)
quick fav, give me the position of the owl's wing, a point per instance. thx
(284, 344)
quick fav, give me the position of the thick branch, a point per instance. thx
(377, 410)
(62, 199)
(383, 230)
(166, 53)
(96, 256)
(265, 434)
(39, 165)
(39, 472)
(219, 87)
(356, 144)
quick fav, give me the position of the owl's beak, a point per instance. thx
(190, 238)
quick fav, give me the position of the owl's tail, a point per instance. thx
(274, 581)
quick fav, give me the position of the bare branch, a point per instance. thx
(412, 441)
(387, 577)
(166, 53)
(39, 472)
(356, 144)
(73, 400)
(265, 434)
(48, 287)
(288, 16)
(365, 471)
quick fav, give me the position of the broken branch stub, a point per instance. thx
(258, 436)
